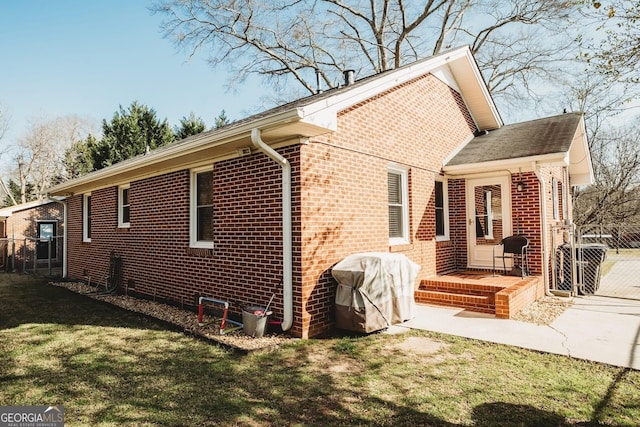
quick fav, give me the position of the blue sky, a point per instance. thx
(87, 57)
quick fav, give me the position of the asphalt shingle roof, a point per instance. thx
(533, 138)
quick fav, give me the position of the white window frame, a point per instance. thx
(86, 218)
(121, 206)
(445, 210)
(556, 199)
(193, 211)
(404, 194)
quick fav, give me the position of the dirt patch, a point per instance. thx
(544, 311)
(419, 345)
(327, 361)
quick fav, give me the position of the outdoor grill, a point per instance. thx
(375, 291)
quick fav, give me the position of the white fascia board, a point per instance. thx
(581, 179)
(9, 210)
(178, 149)
(523, 164)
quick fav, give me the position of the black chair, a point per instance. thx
(515, 249)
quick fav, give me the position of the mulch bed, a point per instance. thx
(185, 320)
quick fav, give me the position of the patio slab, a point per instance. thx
(600, 329)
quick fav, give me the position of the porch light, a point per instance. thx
(520, 185)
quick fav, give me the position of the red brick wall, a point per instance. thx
(246, 263)
(339, 208)
(526, 211)
(525, 214)
(24, 223)
(344, 185)
(451, 255)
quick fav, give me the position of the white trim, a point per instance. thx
(555, 199)
(445, 209)
(481, 256)
(404, 202)
(121, 222)
(565, 194)
(191, 146)
(86, 226)
(10, 210)
(193, 210)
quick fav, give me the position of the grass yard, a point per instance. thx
(109, 367)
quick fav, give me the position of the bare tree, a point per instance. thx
(4, 126)
(40, 152)
(287, 41)
(614, 45)
(614, 198)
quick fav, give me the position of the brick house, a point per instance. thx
(25, 231)
(268, 204)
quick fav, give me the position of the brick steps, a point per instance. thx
(471, 292)
(479, 303)
(483, 293)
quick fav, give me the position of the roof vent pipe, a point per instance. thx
(349, 77)
(318, 81)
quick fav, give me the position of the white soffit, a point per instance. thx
(580, 166)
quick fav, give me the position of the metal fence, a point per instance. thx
(32, 255)
(598, 260)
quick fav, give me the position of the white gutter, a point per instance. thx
(287, 246)
(190, 145)
(543, 238)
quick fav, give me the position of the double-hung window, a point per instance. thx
(442, 211)
(201, 216)
(86, 217)
(398, 196)
(124, 208)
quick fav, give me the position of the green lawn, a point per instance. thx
(109, 367)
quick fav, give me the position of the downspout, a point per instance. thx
(543, 237)
(287, 246)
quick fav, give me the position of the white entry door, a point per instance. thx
(488, 218)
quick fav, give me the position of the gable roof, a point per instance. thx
(553, 140)
(10, 210)
(304, 118)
